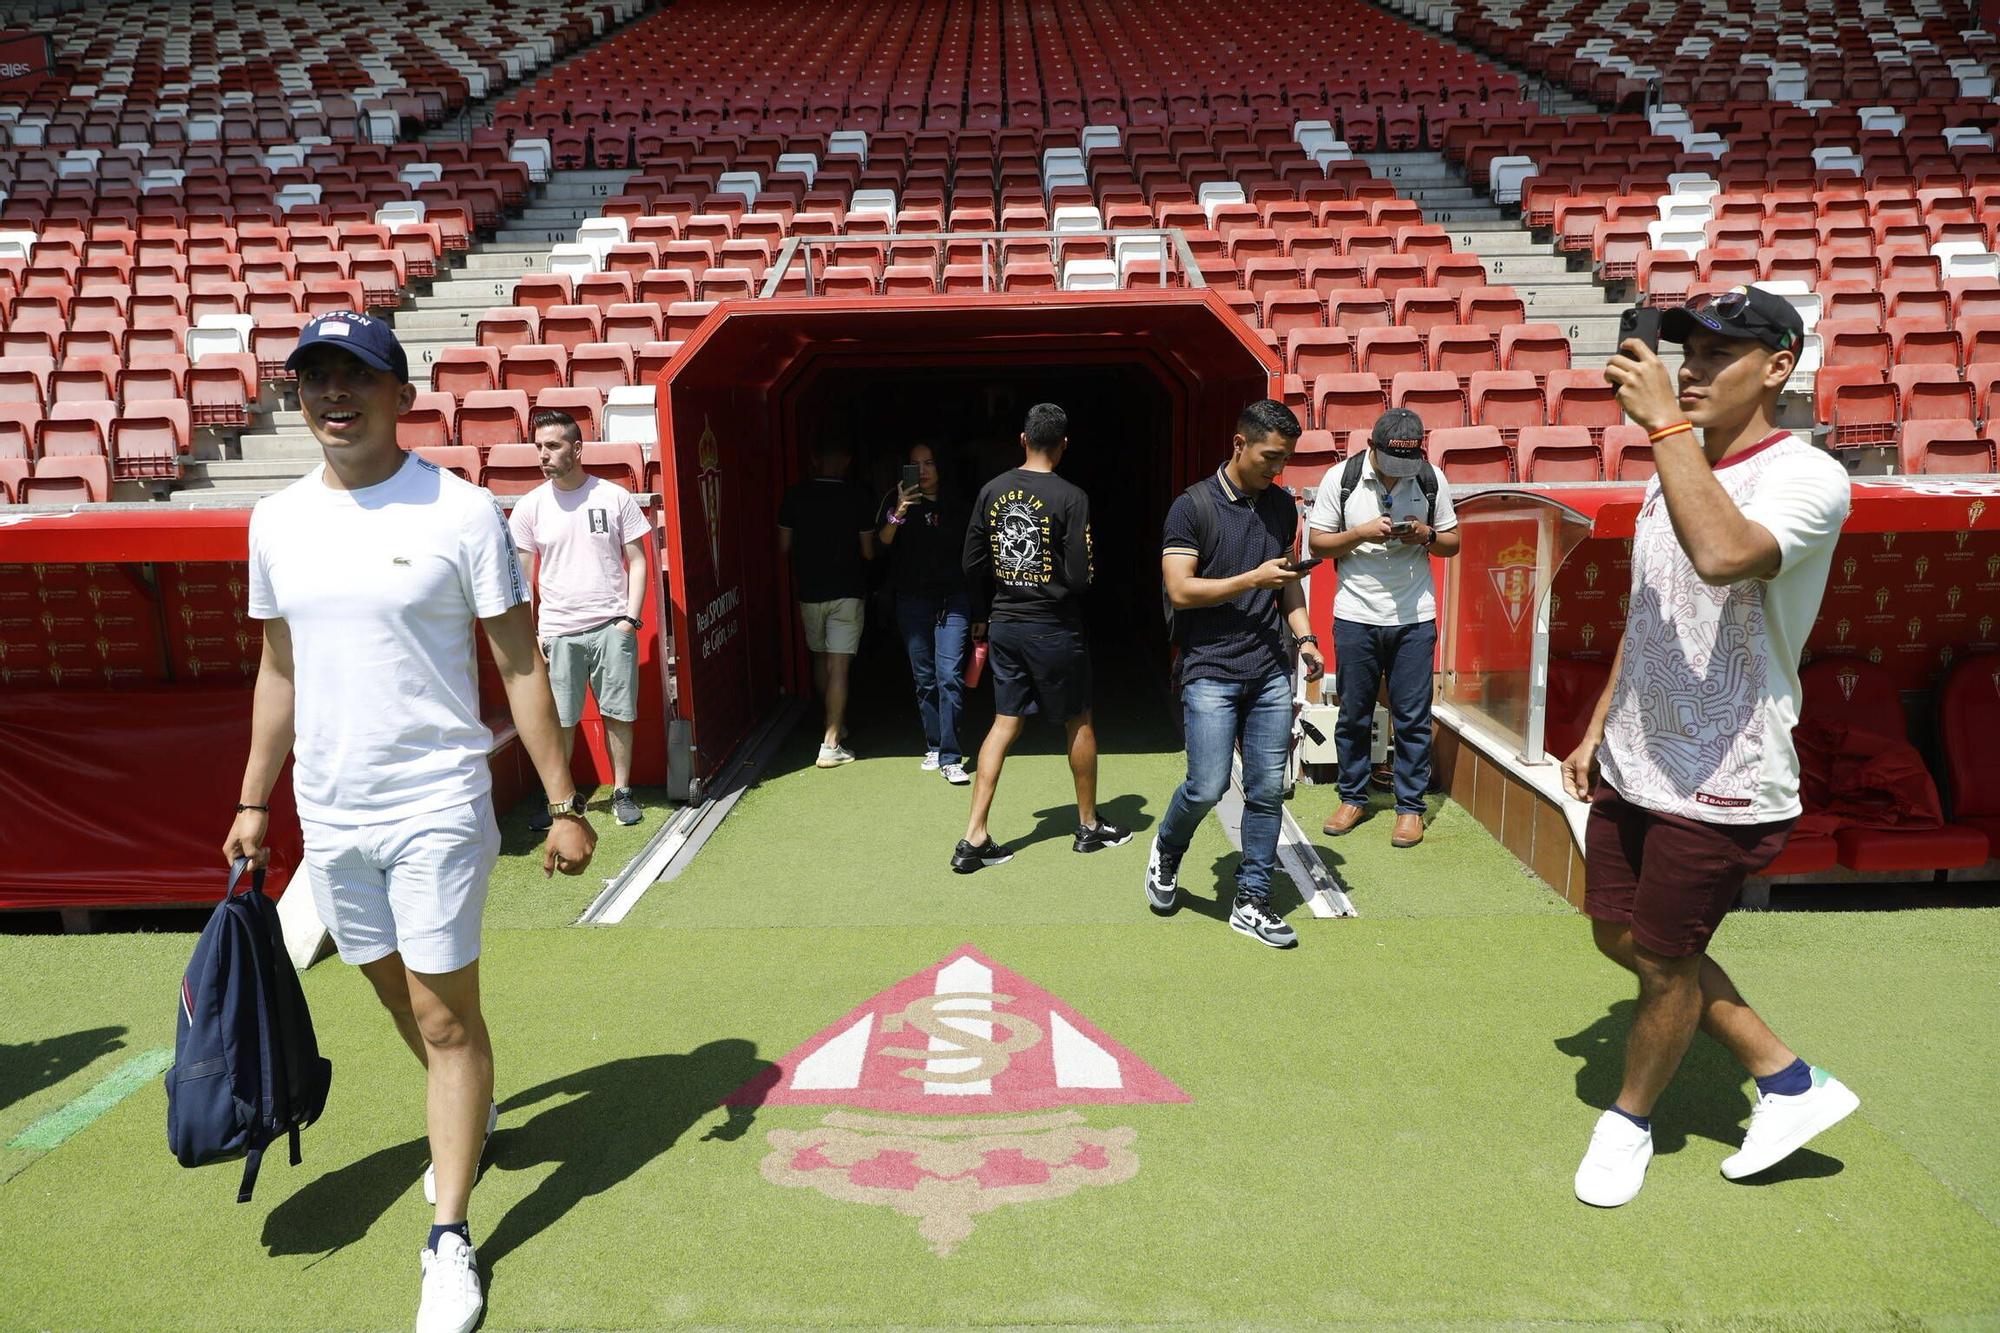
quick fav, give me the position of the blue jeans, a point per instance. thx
(1218, 716)
(1362, 653)
(936, 631)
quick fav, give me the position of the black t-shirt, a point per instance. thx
(1027, 551)
(924, 558)
(827, 517)
(1243, 638)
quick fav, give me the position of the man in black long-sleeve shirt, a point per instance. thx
(1027, 560)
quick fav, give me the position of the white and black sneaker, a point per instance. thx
(1163, 884)
(1106, 834)
(965, 858)
(623, 808)
(1251, 915)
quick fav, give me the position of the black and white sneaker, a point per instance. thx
(965, 858)
(1106, 834)
(623, 808)
(1163, 885)
(1251, 914)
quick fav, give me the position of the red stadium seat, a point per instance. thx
(1855, 694)
(1858, 402)
(492, 416)
(1932, 393)
(1628, 453)
(1968, 711)
(431, 423)
(1347, 402)
(1390, 351)
(1433, 395)
(586, 405)
(68, 479)
(1310, 353)
(511, 468)
(1507, 400)
(1471, 455)
(1558, 454)
(462, 370)
(1581, 397)
(463, 460)
(1945, 446)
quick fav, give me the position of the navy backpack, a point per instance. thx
(247, 1068)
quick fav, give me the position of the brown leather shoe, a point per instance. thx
(1409, 831)
(1343, 819)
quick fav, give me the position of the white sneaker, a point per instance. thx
(930, 764)
(833, 756)
(956, 775)
(430, 1168)
(452, 1300)
(1615, 1167)
(1780, 1126)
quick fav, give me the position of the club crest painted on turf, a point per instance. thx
(965, 1037)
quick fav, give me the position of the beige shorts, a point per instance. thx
(833, 627)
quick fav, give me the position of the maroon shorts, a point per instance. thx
(1673, 878)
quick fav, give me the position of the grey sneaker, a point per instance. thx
(623, 808)
(833, 756)
(1251, 915)
(1163, 869)
(955, 774)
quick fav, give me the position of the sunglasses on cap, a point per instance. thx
(1716, 310)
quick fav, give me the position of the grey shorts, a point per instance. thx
(607, 660)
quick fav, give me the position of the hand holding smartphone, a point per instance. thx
(1298, 566)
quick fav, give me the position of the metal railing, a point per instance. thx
(811, 254)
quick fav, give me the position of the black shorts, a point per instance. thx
(1038, 668)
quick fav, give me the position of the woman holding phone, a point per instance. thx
(923, 531)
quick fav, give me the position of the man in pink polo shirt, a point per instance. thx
(582, 539)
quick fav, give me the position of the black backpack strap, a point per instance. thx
(1204, 520)
(252, 1160)
(1427, 482)
(1350, 477)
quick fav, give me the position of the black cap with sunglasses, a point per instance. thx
(1746, 312)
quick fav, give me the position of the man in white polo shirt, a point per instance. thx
(1699, 782)
(368, 574)
(583, 541)
(1383, 516)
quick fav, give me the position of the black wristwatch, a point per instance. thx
(1312, 639)
(633, 621)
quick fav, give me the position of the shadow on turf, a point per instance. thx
(33, 1065)
(607, 1122)
(1059, 821)
(1222, 879)
(604, 1124)
(1706, 1097)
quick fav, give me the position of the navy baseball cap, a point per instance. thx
(366, 339)
(1744, 312)
(1398, 438)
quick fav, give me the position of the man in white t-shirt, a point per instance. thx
(368, 573)
(1382, 517)
(583, 540)
(1688, 761)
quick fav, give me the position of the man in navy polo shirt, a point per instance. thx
(1239, 604)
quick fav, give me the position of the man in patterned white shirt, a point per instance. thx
(1699, 782)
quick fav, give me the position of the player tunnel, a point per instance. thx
(1152, 383)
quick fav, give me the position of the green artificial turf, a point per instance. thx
(1380, 1133)
(522, 898)
(1381, 1130)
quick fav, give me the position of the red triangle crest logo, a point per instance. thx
(964, 1036)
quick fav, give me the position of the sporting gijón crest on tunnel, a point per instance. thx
(942, 1066)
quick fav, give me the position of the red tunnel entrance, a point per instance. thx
(1153, 382)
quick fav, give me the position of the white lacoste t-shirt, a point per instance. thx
(380, 588)
(1702, 714)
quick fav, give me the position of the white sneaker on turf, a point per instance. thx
(430, 1168)
(1780, 1126)
(956, 775)
(930, 762)
(833, 756)
(452, 1299)
(1615, 1166)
